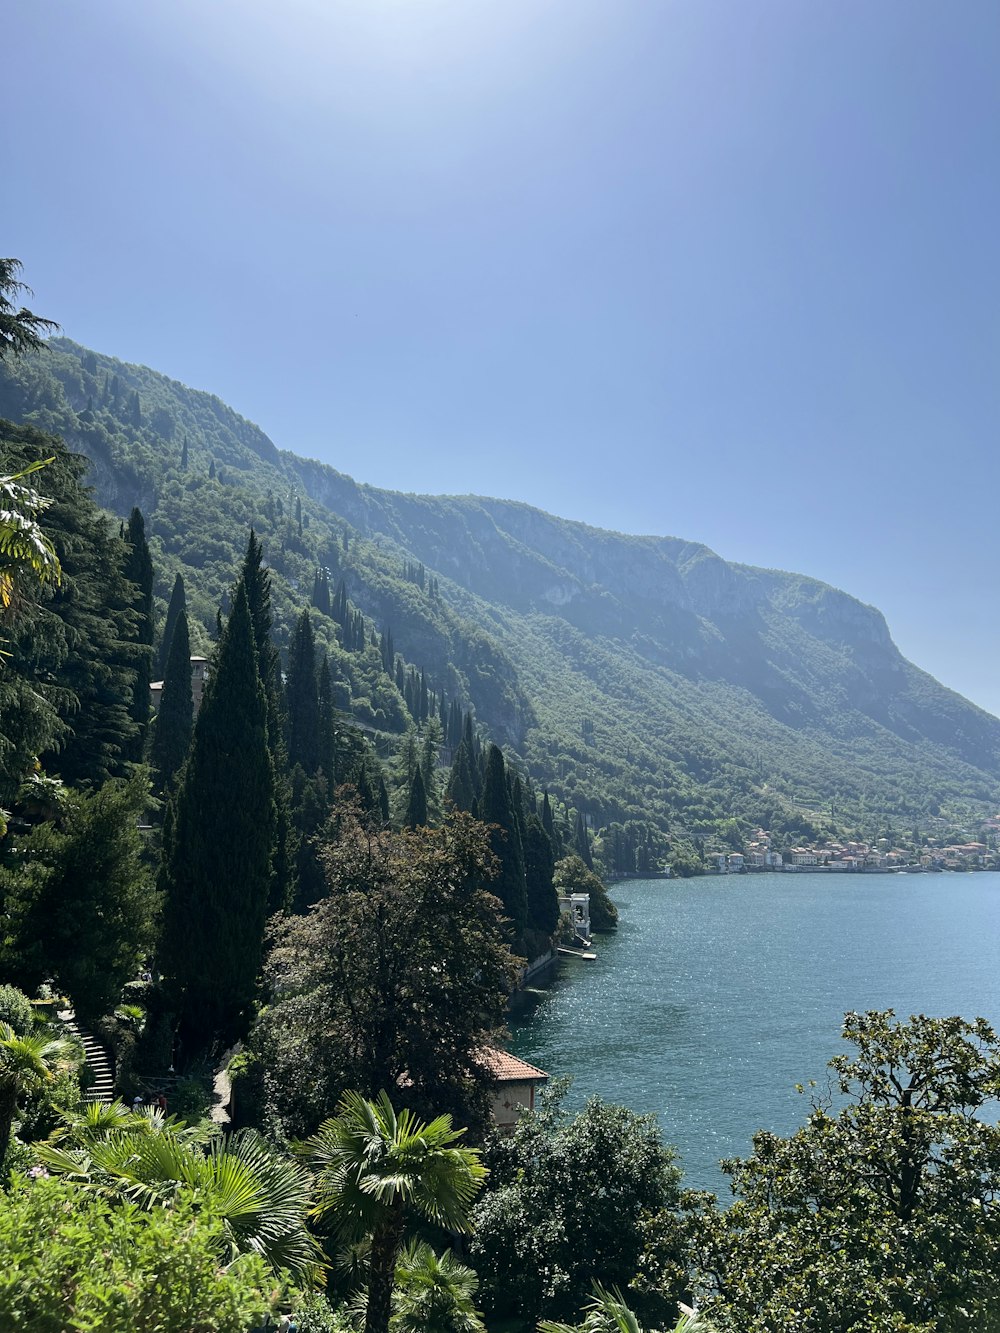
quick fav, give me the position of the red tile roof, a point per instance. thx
(507, 1068)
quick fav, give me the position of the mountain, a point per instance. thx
(644, 680)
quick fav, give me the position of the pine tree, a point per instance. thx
(184, 454)
(302, 699)
(416, 810)
(139, 571)
(495, 808)
(216, 872)
(175, 720)
(176, 605)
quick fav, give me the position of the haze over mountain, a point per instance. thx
(644, 680)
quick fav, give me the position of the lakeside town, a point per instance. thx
(854, 857)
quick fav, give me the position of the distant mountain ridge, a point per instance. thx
(642, 679)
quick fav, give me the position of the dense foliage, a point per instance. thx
(78, 1263)
(394, 980)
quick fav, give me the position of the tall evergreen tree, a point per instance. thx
(416, 810)
(462, 785)
(327, 724)
(302, 699)
(139, 571)
(184, 454)
(505, 840)
(175, 719)
(216, 872)
(539, 865)
(549, 825)
(256, 580)
(177, 604)
(581, 841)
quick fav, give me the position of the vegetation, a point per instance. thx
(657, 720)
(669, 695)
(396, 979)
(377, 1169)
(80, 1261)
(570, 1201)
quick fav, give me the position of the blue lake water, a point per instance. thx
(717, 995)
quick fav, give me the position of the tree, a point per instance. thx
(67, 685)
(434, 1293)
(78, 902)
(177, 604)
(257, 1193)
(376, 1168)
(569, 1201)
(878, 1217)
(175, 718)
(505, 840)
(20, 330)
(416, 809)
(397, 979)
(25, 1061)
(218, 841)
(25, 549)
(302, 698)
(139, 572)
(539, 865)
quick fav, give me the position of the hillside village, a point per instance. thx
(852, 857)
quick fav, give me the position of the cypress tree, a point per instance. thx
(256, 581)
(217, 849)
(505, 841)
(581, 842)
(176, 605)
(139, 571)
(549, 825)
(428, 768)
(461, 789)
(416, 810)
(211, 470)
(175, 720)
(302, 699)
(327, 724)
(539, 865)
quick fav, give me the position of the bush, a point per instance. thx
(16, 1009)
(75, 1260)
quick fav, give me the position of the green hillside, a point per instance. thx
(644, 680)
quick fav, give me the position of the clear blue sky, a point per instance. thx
(729, 271)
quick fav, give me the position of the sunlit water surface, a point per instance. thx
(717, 995)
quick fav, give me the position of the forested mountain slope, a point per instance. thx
(645, 680)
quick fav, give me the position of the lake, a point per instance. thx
(718, 994)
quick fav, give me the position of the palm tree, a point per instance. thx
(25, 1062)
(260, 1195)
(608, 1313)
(434, 1294)
(374, 1167)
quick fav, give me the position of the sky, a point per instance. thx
(723, 271)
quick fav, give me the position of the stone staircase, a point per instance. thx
(102, 1088)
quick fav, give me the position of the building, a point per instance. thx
(199, 675)
(577, 907)
(515, 1091)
